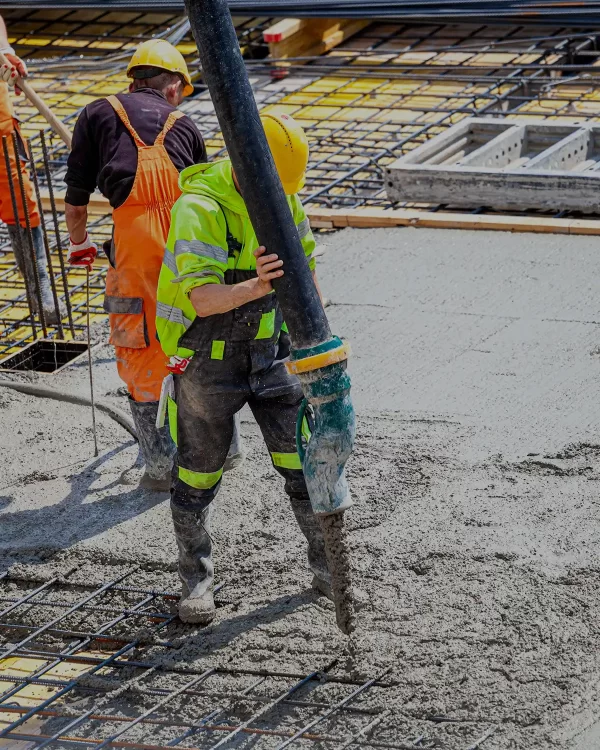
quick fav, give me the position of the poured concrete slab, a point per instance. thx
(476, 526)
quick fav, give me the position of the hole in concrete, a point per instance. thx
(44, 356)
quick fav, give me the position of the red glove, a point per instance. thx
(14, 68)
(178, 365)
(82, 253)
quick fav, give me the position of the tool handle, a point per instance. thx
(57, 125)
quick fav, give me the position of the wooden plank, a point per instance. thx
(316, 36)
(283, 29)
(339, 218)
(379, 217)
(98, 205)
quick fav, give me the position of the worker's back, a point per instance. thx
(104, 153)
(133, 147)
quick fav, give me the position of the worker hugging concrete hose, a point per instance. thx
(213, 301)
(226, 296)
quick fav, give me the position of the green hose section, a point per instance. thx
(299, 433)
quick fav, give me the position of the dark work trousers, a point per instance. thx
(210, 393)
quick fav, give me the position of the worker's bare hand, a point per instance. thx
(13, 69)
(268, 267)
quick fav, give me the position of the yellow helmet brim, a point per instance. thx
(291, 188)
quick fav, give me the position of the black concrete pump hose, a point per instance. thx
(43, 392)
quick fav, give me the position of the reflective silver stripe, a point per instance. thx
(303, 228)
(200, 275)
(123, 305)
(203, 249)
(172, 314)
(169, 261)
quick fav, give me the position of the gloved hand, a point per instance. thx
(82, 253)
(178, 365)
(12, 69)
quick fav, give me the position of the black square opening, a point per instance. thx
(44, 355)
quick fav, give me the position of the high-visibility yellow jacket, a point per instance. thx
(210, 234)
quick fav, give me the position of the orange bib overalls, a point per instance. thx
(141, 226)
(8, 124)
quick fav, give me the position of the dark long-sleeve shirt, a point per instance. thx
(104, 155)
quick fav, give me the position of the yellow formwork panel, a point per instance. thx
(340, 99)
(363, 85)
(302, 99)
(325, 85)
(33, 695)
(316, 113)
(283, 107)
(381, 101)
(355, 114)
(402, 87)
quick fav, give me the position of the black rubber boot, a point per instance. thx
(317, 560)
(22, 252)
(156, 446)
(196, 571)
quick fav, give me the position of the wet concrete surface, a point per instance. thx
(475, 531)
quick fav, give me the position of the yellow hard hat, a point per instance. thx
(158, 53)
(289, 146)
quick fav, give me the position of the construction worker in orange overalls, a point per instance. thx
(9, 72)
(133, 146)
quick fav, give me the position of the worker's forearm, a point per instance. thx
(215, 299)
(76, 218)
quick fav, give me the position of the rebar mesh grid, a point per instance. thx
(94, 665)
(79, 56)
(369, 101)
(103, 41)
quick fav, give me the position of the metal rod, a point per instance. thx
(265, 709)
(103, 664)
(90, 368)
(156, 722)
(71, 725)
(36, 184)
(15, 647)
(69, 654)
(333, 709)
(32, 247)
(19, 231)
(146, 714)
(59, 249)
(28, 597)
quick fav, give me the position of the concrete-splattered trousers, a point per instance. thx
(208, 395)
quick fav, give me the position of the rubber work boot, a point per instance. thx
(196, 571)
(235, 457)
(310, 527)
(156, 446)
(22, 252)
